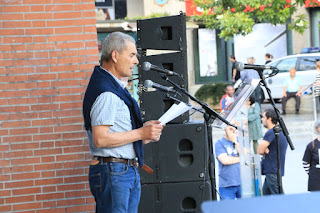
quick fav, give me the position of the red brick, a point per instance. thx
(19, 154)
(39, 77)
(24, 131)
(41, 92)
(87, 37)
(22, 55)
(11, 31)
(60, 23)
(19, 207)
(62, 68)
(49, 46)
(44, 54)
(70, 172)
(62, 38)
(38, 62)
(45, 122)
(71, 187)
(57, 7)
(25, 191)
(67, 113)
(22, 116)
(41, 107)
(45, 99)
(66, 1)
(68, 15)
(19, 86)
(89, 14)
(4, 163)
(66, 98)
(54, 210)
(69, 157)
(12, 48)
(51, 166)
(89, 52)
(49, 189)
(45, 115)
(15, 109)
(37, 8)
(72, 120)
(68, 128)
(12, 94)
(72, 75)
(24, 39)
(38, 24)
(74, 105)
(87, 67)
(74, 194)
(86, 22)
(43, 85)
(41, 31)
(65, 83)
(36, 1)
(7, 208)
(19, 184)
(34, 16)
(63, 53)
(71, 202)
(84, 6)
(12, 16)
(69, 143)
(48, 174)
(4, 148)
(25, 161)
(47, 144)
(49, 204)
(43, 69)
(52, 181)
(81, 149)
(25, 176)
(15, 78)
(16, 24)
(13, 139)
(10, 9)
(46, 152)
(40, 39)
(19, 199)
(69, 45)
(18, 169)
(24, 146)
(91, 59)
(82, 208)
(18, 70)
(74, 135)
(71, 60)
(46, 129)
(68, 30)
(75, 90)
(47, 159)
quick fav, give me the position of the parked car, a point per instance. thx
(305, 65)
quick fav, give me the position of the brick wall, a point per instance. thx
(47, 51)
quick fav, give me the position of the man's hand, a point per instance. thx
(151, 131)
(298, 94)
(284, 95)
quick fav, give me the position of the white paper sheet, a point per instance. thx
(174, 111)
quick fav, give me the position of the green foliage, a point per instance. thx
(152, 15)
(214, 91)
(237, 17)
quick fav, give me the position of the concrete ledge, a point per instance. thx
(306, 105)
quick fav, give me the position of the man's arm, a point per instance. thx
(263, 147)
(151, 131)
(284, 91)
(299, 91)
(228, 160)
(234, 73)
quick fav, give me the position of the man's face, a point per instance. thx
(231, 59)
(126, 60)
(264, 120)
(230, 91)
(292, 72)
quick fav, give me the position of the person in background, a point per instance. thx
(227, 98)
(114, 128)
(234, 71)
(227, 153)
(310, 160)
(317, 86)
(268, 57)
(254, 123)
(268, 148)
(291, 89)
(250, 74)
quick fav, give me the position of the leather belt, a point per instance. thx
(130, 162)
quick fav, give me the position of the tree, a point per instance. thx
(237, 17)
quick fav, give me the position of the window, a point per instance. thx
(286, 64)
(308, 63)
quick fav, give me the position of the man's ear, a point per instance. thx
(114, 56)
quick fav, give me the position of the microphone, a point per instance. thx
(149, 83)
(146, 66)
(241, 66)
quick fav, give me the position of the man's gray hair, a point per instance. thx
(114, 41)
(316, 126)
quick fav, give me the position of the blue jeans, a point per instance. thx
(230, 193)
(270, 186)
(116, 187)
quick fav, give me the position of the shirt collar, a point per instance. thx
(123, 82)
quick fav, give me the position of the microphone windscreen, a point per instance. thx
(148, 83)
(146, 66)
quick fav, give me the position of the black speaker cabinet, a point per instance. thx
(154, 104)
(165, 33)
(174, 197)
(181, 155)
(176, 62)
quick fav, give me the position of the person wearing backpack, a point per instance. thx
(310, 160)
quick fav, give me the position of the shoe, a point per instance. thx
(283, 112)
(297, 112)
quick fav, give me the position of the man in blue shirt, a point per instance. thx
(227, 153)
(291, 89)
(268, 148)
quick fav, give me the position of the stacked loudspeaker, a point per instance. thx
(183, 167)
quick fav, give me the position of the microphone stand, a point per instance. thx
(277, 130)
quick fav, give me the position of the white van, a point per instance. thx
(305, 65)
